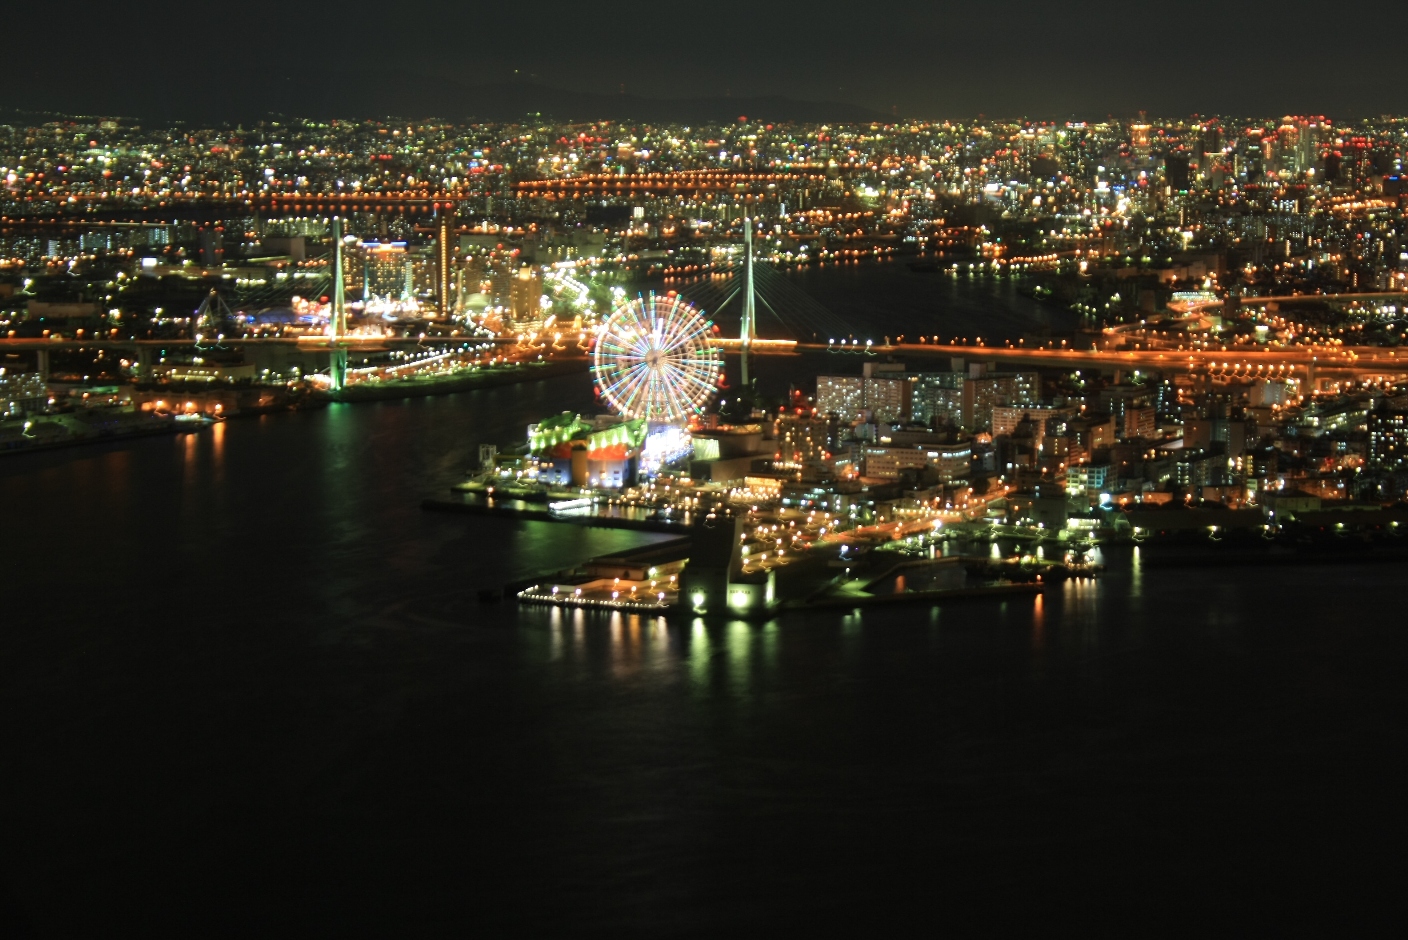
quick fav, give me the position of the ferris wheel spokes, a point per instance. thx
(654, 358)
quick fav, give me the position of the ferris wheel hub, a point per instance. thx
(655, 359)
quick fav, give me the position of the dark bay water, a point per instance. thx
(875, 300)
(247, 688)
(886, 298)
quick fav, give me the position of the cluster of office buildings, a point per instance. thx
(1106, 440)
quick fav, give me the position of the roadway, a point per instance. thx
(1339, 361)
(1350, 360)
(312, 341)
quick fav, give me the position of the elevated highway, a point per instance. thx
(1313, 364)
(309, 353)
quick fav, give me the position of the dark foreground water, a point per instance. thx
(247, 690)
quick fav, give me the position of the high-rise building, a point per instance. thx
(883, 391)
(525, 294)
(212, 245)
(1176, 171)
(1116, 399)
(1288, 145)
(1139, 423)
(984, 392)
(384, 269)
(1311, 131)
(938, 398)
(841, 395)
(444, 266)
(1006, 418)
(1089, 479)
(888, 392)
(1388, 439)
(1331, 161)
(799, 439)
(1139, 138)
(1212, 147)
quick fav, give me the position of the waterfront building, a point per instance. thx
(205, 372)
(1044, 506)
(729, 452)
(714, 580)
(801, 445)
(947, 463)
(1089, 479)
(571, 451)
(951, 463)
(22, 393)
(1198, 469)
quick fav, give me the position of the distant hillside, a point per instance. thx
(318, 95)
(511, 101)
(503, 102)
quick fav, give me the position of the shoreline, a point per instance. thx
(915, 597)
(463, 382)
(1156, 555)
(533, 515)
(380, 392)
(109, 437)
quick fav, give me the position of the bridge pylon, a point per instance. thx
(748, 332)
(337, 367)
(337, 320)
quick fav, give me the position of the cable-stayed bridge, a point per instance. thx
(783, 310)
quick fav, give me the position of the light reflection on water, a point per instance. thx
(217, 449)
(717, 656)
(1136, 572)
(1083, 619)
(738, 657)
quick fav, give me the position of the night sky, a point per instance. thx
(236, 61)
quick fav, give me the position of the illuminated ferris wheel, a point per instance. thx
(654, 359)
